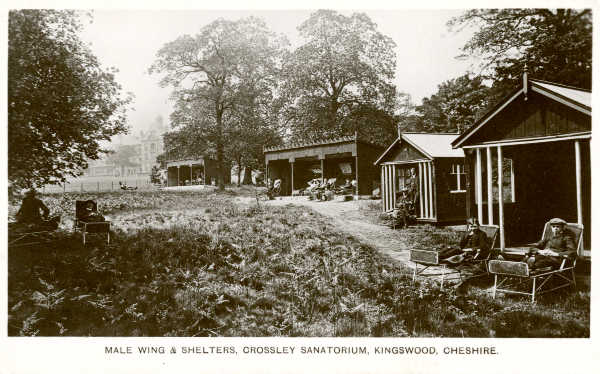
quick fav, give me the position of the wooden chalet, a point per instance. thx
(349, 157)
(535, 143)
(440, 170)
(202, 171)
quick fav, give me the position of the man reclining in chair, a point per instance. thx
(473, 245)
(550, 251)
(91, 213)
(29, 213)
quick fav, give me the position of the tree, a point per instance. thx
(122, 157)
(229, 66)
(341, 74)
(61, 103)
(456, 105)
(556, 45)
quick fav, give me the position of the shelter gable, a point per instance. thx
(538, 116)
(403, 152)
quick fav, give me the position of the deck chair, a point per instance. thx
(516, 277)
(471, 268)
(95, 229)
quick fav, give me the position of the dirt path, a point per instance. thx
(358, 219)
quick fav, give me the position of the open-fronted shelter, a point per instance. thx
(440, 173)
(202, 171)
(535, 144)
(349, 157)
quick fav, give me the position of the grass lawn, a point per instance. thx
(202, 264)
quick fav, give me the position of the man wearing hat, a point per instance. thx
(551, 250)
(474, 244)
(29, 213)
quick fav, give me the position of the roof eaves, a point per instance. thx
(574, 102)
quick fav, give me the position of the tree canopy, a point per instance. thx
(229, 68)
(456, 105)
(61, 102)
(340, 79)
(556, 45)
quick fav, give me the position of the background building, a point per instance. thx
(135, 153)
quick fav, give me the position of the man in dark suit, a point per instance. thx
(474, 244)
(551, 250)
(29, 213)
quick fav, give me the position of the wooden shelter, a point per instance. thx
(535, 144)
(349, 157)
(440, 171)
(202, 171)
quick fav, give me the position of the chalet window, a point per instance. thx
(403, 178)
(459, 180)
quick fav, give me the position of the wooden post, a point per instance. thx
(292, 177)
(178, 183)
(98, 186)
(356, 163)
(112, 185)
(43, 189)
(390, 187)
(421, 189)
(322, 171)
(81, 186)
(434, 194)
(430, 178)
(64, 187)
(512, 180)
(478, 187)
(192, 175)
(578, 181)
(501, 199)
(490, 186)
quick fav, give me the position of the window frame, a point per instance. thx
(461, 171)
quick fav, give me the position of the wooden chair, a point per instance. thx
(471, 268)
(516, 277)
(96, 229)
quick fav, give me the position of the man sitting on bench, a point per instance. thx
(473, 245)
(29, 213)
(549, 252)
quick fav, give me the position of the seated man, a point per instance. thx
(550, 251)
(29, 213)
(91, 213)
(473, 245)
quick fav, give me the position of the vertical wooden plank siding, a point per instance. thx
(500, 199)
(434, 202)
(478, 184)
(389, 187)
(425, 192)
(382, 190)
(430, 165)
(393, 185)
(490, 192)
(421, 189)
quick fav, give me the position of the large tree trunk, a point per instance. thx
(247, 176)
(219, 149)
(239, 170)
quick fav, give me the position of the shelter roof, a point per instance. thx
(341, 139)
(432, 145)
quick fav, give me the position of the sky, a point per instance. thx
(129, 40)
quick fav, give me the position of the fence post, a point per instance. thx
(112, 185)
(98, 186)
(136, 183)
(64, 187)
(43, 189)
